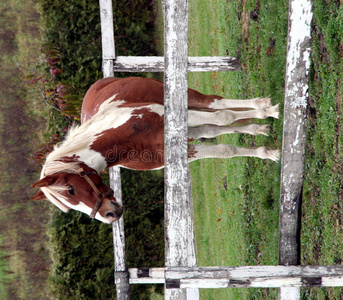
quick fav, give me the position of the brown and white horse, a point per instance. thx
(122, 125)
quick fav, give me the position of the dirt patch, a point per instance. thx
(245, 17)
(22, 221)
(323, 50)
(339, 114)
(245, 21)
(338, 163)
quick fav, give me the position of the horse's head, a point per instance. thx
(82, 191)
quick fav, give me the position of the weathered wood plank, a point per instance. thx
(121, 276)
(191, 243)
(294, 135)
(146, 275)
(247, 276)
(294, 132)
(176, 168)
(156, 64)
(107, 37)
(107, 32)
(289, 293)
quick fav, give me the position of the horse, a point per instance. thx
(122, 124)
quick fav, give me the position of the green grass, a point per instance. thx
(322, 231)
(24, 260)
(239, 226)
(236, 200)
(4, 270)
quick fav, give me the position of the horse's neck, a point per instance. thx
(90, 142)
(92, 159)
(78, 148)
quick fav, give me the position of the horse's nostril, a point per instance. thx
(111, 215)
(115, 212)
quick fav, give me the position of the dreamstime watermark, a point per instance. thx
(132, 155)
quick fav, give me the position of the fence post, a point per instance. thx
(294, 135)
(175, 144)
(121, 276)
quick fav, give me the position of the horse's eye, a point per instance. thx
(71, 190)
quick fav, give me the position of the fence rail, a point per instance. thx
(240, 277)
(156, 64)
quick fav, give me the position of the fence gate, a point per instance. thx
(181, 276)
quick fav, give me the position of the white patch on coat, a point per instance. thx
(217, 104)
(156, 108)
(109, 100)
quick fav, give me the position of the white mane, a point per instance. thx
(77, 139)
(81, 137)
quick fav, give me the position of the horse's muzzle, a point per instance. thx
(114, 213)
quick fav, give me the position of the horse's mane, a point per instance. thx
(69, 146)
(78, 138)
(53, 192)
(53, 167)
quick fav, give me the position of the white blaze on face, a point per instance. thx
(84, 209)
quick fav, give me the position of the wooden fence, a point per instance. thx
(239, 277)
(294, 136)
(181, 276)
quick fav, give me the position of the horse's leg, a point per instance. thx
(199, 101)
(196, 152)
(256, 103)
(226, 117)
(209, 131)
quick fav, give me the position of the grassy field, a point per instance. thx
(322, 232)
(236, 201)
(24, 258)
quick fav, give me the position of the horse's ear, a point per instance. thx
(46, 181)
(40, 196)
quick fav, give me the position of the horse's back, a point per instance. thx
(136, 91)
(133, 90)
